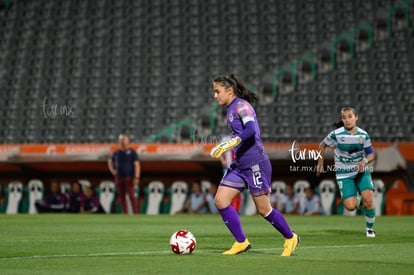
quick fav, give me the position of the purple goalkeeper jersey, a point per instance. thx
(250, 151)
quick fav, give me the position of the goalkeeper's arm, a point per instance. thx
(247, 132)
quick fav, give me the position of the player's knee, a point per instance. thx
(368, 203)
(221, 203)
(262, 212)
(368, 199)
(350, 205)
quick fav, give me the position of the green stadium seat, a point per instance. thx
(154, 198)
(327, 192)
(177, 195)
(278, 192)
(13, 203)
(379, 196)
(106, 192)
(34, 192)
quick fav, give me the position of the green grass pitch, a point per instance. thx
(125, 244)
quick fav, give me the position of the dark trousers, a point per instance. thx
(125, 186)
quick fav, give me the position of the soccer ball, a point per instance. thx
(182, 242)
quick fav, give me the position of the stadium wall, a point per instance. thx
(171, 162)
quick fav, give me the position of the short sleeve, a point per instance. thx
(135, 156)
(330, 140)
(245, 111)
(367, 141)
(367, 145)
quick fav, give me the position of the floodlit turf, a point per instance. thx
(121, 244)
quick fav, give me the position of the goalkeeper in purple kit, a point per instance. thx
(251, 169)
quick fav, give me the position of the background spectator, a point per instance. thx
(75, 198)
(196, 202)
(312, 203)
(55, 201)
(89, 202)
(124, 165)
(290, 204)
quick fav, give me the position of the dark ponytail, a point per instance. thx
(340, 123)
(240, 89)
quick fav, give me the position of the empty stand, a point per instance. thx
(82, 72)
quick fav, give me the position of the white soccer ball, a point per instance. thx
(183, 242)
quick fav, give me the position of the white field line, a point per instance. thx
(138, 253)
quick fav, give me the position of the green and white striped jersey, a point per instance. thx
(349, 150)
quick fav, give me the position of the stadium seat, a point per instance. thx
(379, 196)
(278, 190)
(107, 195)
(177, 195)
(299, 187)
(35, 191)
(65, 187)
(2, 200)
(189, 53)
(85, 183)
(154, 196)
(327, 193)
(205, 186)
(14, 195)
(248, 207)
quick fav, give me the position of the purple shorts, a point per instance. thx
(257, 178)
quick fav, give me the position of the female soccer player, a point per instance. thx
(353, 152)
(250, 169)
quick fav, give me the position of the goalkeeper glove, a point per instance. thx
(219, 149)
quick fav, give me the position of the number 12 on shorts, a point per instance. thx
(257, 178)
